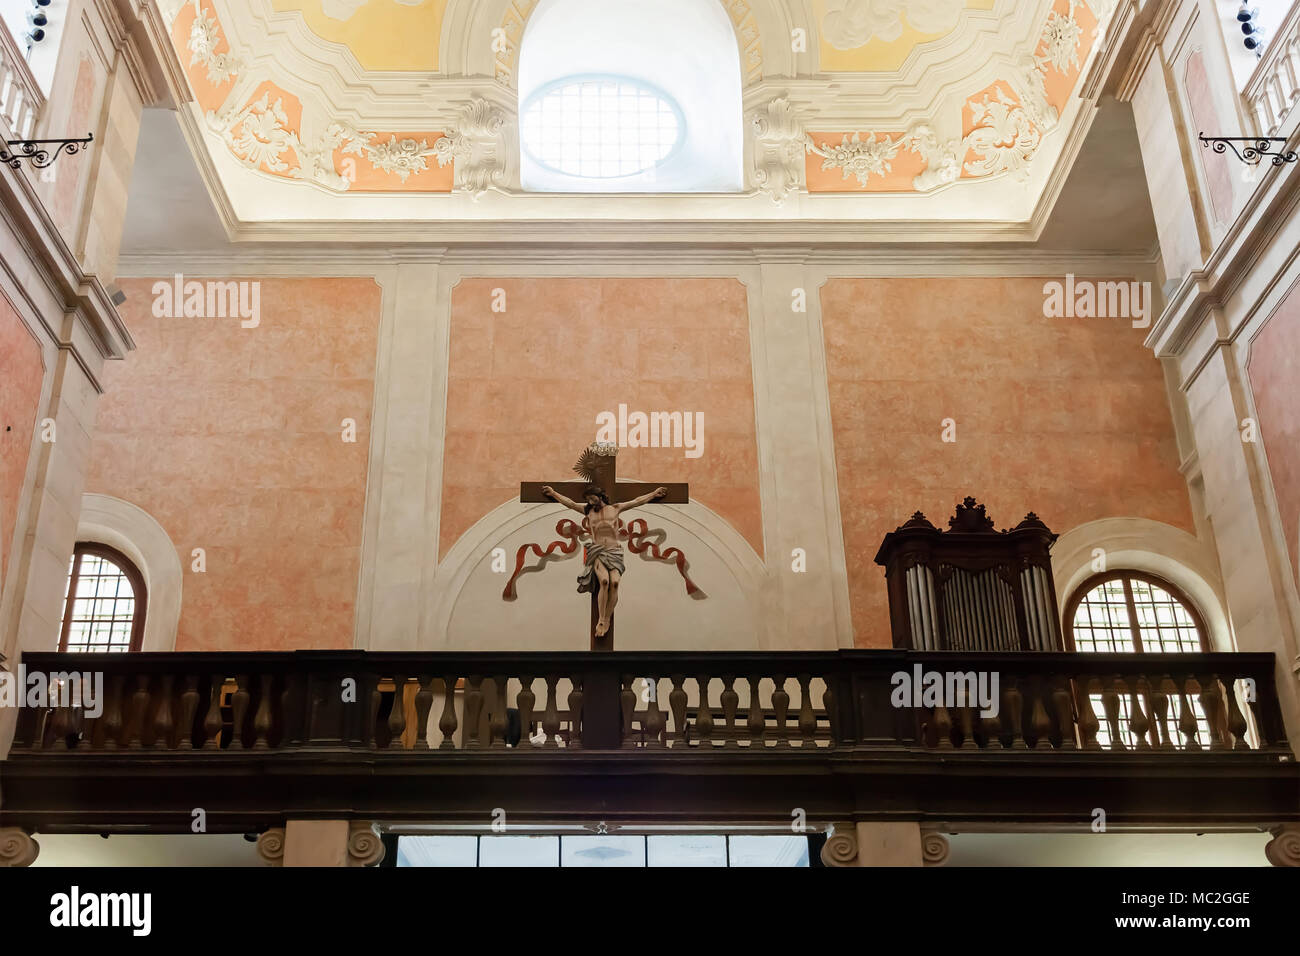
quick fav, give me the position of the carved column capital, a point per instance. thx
(17, 848)
(365, 848)
(934, 848)
(778, 150)
(476, 145)
(1284, 848)
(270, 846)
(841, 847)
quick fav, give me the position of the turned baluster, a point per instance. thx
(1110, 704)
(1063, 708)
(1212, 705)
(781, 710)
(1137, 720)
(1013, 702)
(941, 720)
(730, 703)
(499, 720)
(1186, 717)
(162, 720)
(189, 707)
(756, 722)
(139, 708)
(1237, 725)
(1159, 705)
(575, 711)
(525, 701)
(397, 715)
(262, 718)
(677, 705)
(627, 709)
(111, 734)
(212, 719)
(832, 716)
(653, 723)
(1088, 723)
(704, 716)
(60, 714)
(807, 717)
(447, 723)
(1039, 722)
(991, 728)
(550, 713)
(423, 704)
(473, 711)
(966, 715)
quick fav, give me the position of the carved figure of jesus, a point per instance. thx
(604, 567)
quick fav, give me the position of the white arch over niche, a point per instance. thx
(133, 531)
(1152, 546)
(748, 584)
(467, 25)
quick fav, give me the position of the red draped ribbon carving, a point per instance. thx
(635, 531)
(568, 532)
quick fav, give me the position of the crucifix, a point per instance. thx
(600, 497)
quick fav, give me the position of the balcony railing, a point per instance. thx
(21, 100)
(433, 703)
(443, 738)
(1274, 87)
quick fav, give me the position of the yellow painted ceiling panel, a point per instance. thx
(877, 55)
(382, 34)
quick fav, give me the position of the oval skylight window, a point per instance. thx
(600, 127)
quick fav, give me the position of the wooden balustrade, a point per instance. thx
(1112, 704)
(1274, 88)
(21, 100)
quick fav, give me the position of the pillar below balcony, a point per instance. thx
(874, 844)
(322, 843)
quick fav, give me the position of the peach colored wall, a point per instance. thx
(1065, 417)
(525, 386)
(21, 374)
(231, 439)
(1200, 99)
(1274, 369)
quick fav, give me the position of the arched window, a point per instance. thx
(628, 96)
(1132, 612)
(105, 604)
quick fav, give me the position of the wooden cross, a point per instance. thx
(605, 471)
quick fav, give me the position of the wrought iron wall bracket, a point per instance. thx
(40, 152)
(1252, 154)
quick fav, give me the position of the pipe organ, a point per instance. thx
(971, 588)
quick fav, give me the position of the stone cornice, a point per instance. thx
(53, 259)
(877, 261)
(1270, 208)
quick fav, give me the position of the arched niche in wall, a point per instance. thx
(466, 611)
(1140, 544)
(133, 531)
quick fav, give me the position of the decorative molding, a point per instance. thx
(477, 145)
(138, 535)
(1284, 848)
(205, 35)
(365, 846)
(934, 848)
(1004, 139)
(779, 144)
(858, 157)
(17, 848)
(942, 158)
(841, 846)
(270, 846)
